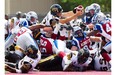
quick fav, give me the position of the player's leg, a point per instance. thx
(104, 52)
(50, 63)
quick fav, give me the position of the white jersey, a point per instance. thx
(100, 64)
(22, 31)
(47, 19)
(24, 40)
(74, 58)
(98, 17)
(79, 67)
(33, 62)
(16, 21)
(6, 27)
(16, 32)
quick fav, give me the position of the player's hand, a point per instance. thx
(79, 10)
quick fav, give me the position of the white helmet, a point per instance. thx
(77, 32)
(31, 14)
(96, 7)
(19, 12)
(76, 28)
(87, 9)
(108, 15)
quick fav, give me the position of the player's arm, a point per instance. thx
(90, 26)
(11, 24)
(10, 69)
(92, 33)
(96, 29)
(95, 39)
(33, 27)
(72, 15)
(66, 20)
(24, 69)
(67, 14)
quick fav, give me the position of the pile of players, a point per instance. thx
(61, 42)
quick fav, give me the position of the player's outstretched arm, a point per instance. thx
(72, 15)
(10, 69)
(95, 39)
(92, 33)
(33, 27)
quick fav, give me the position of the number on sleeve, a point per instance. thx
(108, 28)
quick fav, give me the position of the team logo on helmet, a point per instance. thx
(54, 9)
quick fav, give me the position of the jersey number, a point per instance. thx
(102, 61)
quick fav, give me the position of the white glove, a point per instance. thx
(56, 28)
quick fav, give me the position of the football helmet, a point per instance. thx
(87, 9)
(91, 10)
(31, 14)
(108, 15)
(55, 8)
(18, 14)
(96, 7)
(83, 56)
(87, 12)
(32, 51)
(77, 32)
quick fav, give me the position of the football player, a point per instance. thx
(80, 40)
(104, 28)
(27, 63)
(56, 13)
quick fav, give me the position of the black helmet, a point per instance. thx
(55, 8)
(32, 51)
(83, 55)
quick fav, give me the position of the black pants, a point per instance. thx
(51, 65)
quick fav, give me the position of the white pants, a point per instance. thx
(107, 46)
(24, 41)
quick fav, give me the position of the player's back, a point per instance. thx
(22, 31)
